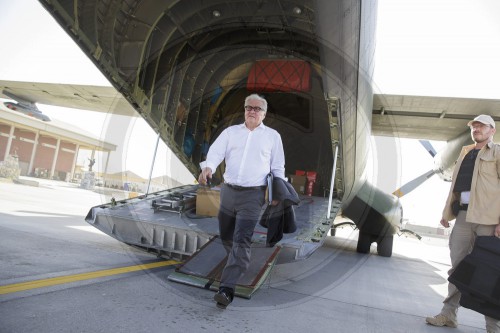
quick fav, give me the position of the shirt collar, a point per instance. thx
(261, 126)
(470, 147)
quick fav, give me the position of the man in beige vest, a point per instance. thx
(475, 194)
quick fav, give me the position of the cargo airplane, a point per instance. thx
(186, 67)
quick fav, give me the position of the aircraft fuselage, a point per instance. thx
(186, 68)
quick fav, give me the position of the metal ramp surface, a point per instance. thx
(203, 269)
(178, 232)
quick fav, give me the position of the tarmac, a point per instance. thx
(59, 274)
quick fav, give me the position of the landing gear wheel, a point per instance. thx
(384, 246)
(364, 242)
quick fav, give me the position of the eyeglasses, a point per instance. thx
(253, 108)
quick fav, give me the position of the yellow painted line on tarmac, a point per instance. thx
(16, 287)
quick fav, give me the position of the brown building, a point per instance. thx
(46, 149)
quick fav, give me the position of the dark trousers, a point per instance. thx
(239, 212)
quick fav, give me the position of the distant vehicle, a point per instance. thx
(29, 110)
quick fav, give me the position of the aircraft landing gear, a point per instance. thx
(364, 242)
(384, 246)
(384, 243)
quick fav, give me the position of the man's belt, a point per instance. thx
(463, 206)
(246, 188)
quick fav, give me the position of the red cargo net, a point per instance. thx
(279, 75)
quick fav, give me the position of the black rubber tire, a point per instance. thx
(364, 242)
(384, 246)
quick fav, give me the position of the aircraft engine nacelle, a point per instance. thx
(444, 161)
(378, 216)
(27, 109)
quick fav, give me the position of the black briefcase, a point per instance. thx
(470, 301)
(478, 277)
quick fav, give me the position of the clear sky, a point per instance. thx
(424, 47)
(438, 48)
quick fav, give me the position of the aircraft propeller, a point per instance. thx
(428, 146)
(413, 184)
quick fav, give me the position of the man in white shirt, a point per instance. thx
(251, 150)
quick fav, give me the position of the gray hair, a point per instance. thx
(257, 97)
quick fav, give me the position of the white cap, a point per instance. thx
(483, 118)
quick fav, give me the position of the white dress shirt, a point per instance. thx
(249, 155)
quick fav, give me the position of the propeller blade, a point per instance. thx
(413, 184)
(428, 146)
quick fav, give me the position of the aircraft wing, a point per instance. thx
(93, 98)
(430, 118)
(404, 116)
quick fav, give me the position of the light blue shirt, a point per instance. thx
(249, 155)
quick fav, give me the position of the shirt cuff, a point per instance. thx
(205, 164)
